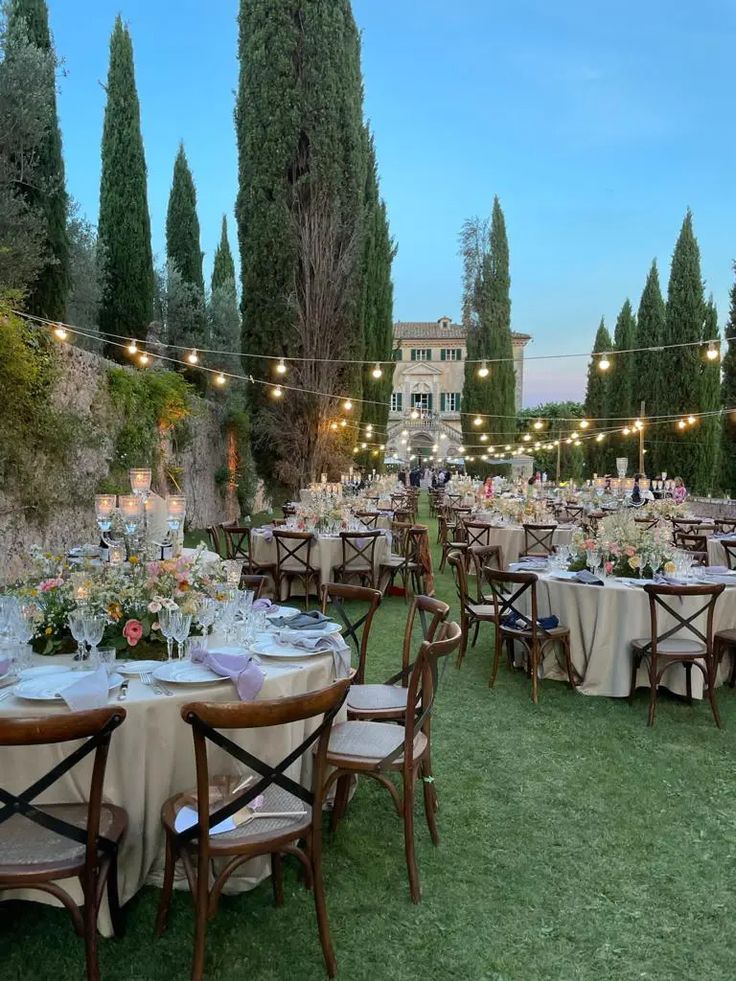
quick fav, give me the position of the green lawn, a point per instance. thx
(576, 844)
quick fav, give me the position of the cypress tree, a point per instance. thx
(597, 404)
(124, 223)
(182, 224)
(223, 268)
(709, 478)
(728, 402)
(48, 295)
(299, 122)
(621, 384)
(683, 366)
(649, 380)
(495, 395)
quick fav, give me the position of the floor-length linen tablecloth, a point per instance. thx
(603, 620)
(326, 552)
(511, 539)
(716, 551)
(151, 758)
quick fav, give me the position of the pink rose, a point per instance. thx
(609, 568)
(48, 584)
(133, 631)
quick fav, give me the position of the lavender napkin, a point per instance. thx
(318, 642)
(267, 533)
(4, 665)
(301, 621)
(587, 578)
(715, 570)
(90, 692)
(263, 606)
(243, 671)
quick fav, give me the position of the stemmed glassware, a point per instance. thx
(21, 631)
(166, 621)
(181, 625)
(594, 560)
(131, 508)
(206, 616)
(75, 622)
(94, 628)
(104, 507)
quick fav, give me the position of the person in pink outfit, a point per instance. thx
(680, 492)
(488, 488)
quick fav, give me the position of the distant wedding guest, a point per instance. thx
(636, 496)
(680, 492)
(488, 488)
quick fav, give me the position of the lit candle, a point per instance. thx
(140, 481)
(117, 553)
(131, 508)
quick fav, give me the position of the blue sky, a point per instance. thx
(596, 123)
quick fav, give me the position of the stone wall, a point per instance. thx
(82, 388)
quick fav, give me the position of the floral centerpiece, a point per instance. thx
(664, 510)
(519, 510)
(128, 596)
(625, 548)
(322, 514)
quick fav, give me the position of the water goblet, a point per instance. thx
(75, 622)
(206, 616)
(94, 628)
(22, 630)
(181, 626)
(166, 622)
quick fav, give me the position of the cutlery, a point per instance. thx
(6, 694)
(275, 814)
(123, 693)
(151, 683)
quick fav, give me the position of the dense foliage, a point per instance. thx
(597, 404)
(728, 401)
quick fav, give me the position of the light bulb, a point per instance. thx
(691, 420)
(333, 425)
(281, 367)
(277, 392)
(483, 371)
(220, 379)
(603, 363)
(364, 445)
(584, 423)
(477, 421)
(414, 414)
(461, 449)
(538, 424)
(143, 358)
(483, 438)
(192, 357)
(60, 333)
(344, 423)
(347, 405)
(377, 372)
(599, 438)
(132, 348)
(681, 424)
(712, 354)
(626, 430)
(527, 438)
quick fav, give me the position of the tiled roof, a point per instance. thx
(433, 330)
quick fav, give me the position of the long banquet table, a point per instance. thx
(603, 620)
(152, 758)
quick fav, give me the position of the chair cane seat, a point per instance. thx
(486, 610)
(368, 743)
(555, 632)
(672, 647)
(370, 698)
(255, 832)
(29, 847)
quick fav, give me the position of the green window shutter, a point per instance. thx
(443, 355)
(429, 402)
(442, 401)
(429, 354)
(458, 401)
(400, 401)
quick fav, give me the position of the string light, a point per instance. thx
(584, 423)
(277, 392)
(539, 424)
(626, 430)
(220, 379)
(377, 371)
(60, 333)
(132, 348)
(193, 357)
(527, 438)
(414, 414)
(347, 405)
(599, 438)
(333, 425)
(344, 423)
(691, 420)
(483, 371)
(681, 424)
(281, 367)
(603, 363)
(144, 359)
(712, 354)
(477, 421)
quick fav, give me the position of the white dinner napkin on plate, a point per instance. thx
(319, 642)
(89, 692)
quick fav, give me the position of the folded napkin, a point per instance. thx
(265, 532)
(312, 641)
(587, 578)
(716, 570)
(263, 606)
(515, 622)
(242, 670)
(4, 665)
(301, 621)
(90, 692)
(670, 580)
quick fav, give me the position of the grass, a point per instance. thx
(576, 844)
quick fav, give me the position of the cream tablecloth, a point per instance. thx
(603, 620)
(326, 552)
(716, 551)
(151, 758)
(511, 539)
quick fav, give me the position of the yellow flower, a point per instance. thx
(669, 568)
(635, 562)
(115, 611)
(48, 631)
(134, 560)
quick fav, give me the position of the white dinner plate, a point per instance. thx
(187, 673)
(274, 648)
(40, 669)
(134, 668)
(282, 611)
(48, 687)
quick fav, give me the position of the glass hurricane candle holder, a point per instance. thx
(131, 508)
(104, 507)
(140, 481)
(176, 511)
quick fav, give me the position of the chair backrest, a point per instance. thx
(254, 583)
(538, 539)
(684, 524)
(401, 514)
(477, 533)
(729, 547)
(431, 612)
(691, 542)
(358, 551)
(96, 727)
(481, 556)
(667, 601)
(293, 550)
(355, 628)
(237, 541)
(214, 533)
(571, 514)
(399, 536)
(456, 560)
(508, 589)
(646, 523)
(725, 526)
(368, 518)
(207, 719)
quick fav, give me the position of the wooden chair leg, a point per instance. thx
(634, 670)
(463, 639)
(475, 633)
(113, 898)
(689, 683)
(652, 694)
(164, 903)
(497, 645)
(200, 923)
(277, 879)
(534, 668)
(90, 930)
(430, 799)
(342, 792)
(320, 905)
(409, 850)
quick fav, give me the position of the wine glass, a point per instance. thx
(593, 558)
(94, 628)
(166, 619)
(206, 616)
(75, 623)
(181, 625)
(22, 630)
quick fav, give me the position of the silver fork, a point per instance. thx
(5, 694)
(154, 685)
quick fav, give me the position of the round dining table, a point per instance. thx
(603, 621)
(151, 758)
(511, 538)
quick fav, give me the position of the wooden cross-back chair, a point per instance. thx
(571, 514)
(217, 539)
(294, 562)
(239, 545)
(255, 583)
(368, 518)
(685, 525)
(725, 526)
(480, 557)
(729, 547)
(387, 701)
(299, 835)
(512, 592)
(684, 643)
(42, 845)
(646, 523)
(695, 544)
(355, 629)
(472, 613)
(381, 749)
(477, 535)
(539, 539)
(358, 556)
